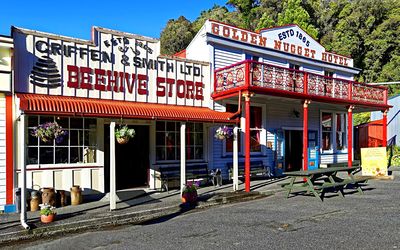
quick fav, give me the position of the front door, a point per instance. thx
(293, 150)
(131, 160)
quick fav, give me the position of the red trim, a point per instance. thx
(350, 137)
(384, 129)
(9, 151)
(305, 135)
(247, 145)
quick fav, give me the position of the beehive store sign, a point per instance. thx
(116, 67)
(290, 39)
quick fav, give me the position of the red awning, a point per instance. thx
(77, 106)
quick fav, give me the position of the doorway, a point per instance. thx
(293, 150)
(132, 162)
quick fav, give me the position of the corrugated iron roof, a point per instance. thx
(90, 107)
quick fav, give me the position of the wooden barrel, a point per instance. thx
(76, 195)
(49, 196)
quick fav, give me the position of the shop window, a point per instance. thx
(326, 131)
(340, 131)
(255, 129)
(168, 141)
(334, 126)
(78, 146)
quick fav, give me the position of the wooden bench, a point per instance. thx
(355, 163)
(172, 172)
(257, 168)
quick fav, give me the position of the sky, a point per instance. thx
(75, 18)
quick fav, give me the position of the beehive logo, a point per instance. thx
(45, 73)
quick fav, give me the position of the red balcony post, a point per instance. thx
(350, 135)
(305, 83)
(305, 134)
(384, 128)
(350, 90)
(247, 97)
(247, 74)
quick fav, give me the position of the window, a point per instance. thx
(294, 66)
(340, 131)
(78, 146)
(255, 130)
(326, 131)
(334, 131)
(168, 141)
(328, 73)
(255, 126)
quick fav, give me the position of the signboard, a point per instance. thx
(374, 161)
(113, 65)
(290, 39)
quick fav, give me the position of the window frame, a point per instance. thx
(54, 146)
(334, 131)
(177, 142)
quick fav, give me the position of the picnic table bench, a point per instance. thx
(257, 168)
(319, 180)
(172, 172)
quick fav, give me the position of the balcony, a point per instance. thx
(273, 80)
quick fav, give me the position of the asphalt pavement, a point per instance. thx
(141, 206)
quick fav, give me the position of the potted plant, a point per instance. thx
(189, 194)
(123, 134)
(47, 213)
(49, 131)
(223, 133)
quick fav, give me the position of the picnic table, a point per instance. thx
(319, 180)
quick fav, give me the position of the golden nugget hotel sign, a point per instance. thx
(290, 39)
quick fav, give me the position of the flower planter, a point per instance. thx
(47, 218)
(221, 137)
(122, 140)
(190, 198)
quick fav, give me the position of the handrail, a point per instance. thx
(263, 75)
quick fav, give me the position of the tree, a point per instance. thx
(294, 13)
(245, 10)
(176, 36)
(217, 13)
(357, 21)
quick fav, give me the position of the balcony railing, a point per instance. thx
(261, 76)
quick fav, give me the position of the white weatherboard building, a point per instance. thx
(300, 98)
(290, 99)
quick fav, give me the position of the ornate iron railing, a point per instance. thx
(256, 74)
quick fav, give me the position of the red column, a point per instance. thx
(9, 151)
(384, 128)
(247, 96)
(350, 135)
(305, 134)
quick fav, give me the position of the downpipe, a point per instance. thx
(23, 170)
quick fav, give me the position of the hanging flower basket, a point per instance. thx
(223, 133)
(123, 134)
(49, 131)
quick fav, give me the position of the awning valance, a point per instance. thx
(90, 107)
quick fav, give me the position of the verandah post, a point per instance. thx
(247, 96)
(350, 135)
(113, 191)
(384, 128)
(305, 133)
(183, 156)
